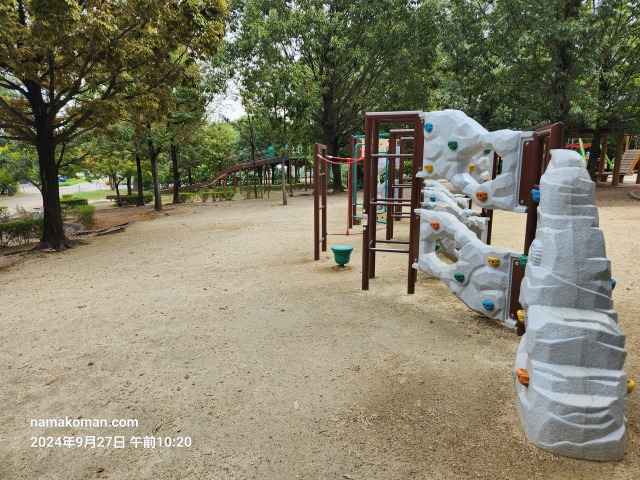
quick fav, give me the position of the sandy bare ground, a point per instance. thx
(213, 322)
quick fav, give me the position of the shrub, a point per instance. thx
(4, 213)
(184, 197)
(20, 231)
(86, 215)
(204, 195)
(71, 203)
(133, 199)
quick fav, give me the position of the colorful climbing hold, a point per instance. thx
(535, 194)
(433, 198)
(472, 167)
(453, 145)
(438, 246)
(493, 261)
(613, 284)
(488, 305)
(487, 152)
(521, 315)
(459, 277)
(482, 196)
(486, 179)
(428, 168)
(523, 260)
(428, 127)
(435, 225)
(630, 385)
(523, 376)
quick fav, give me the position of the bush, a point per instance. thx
(21, 231)
(133, 199)
(86, 215)
(70, 203)
(184, 197)
(204, 195)
(4, 213)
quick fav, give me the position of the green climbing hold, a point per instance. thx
(523, 260)
(453, 145)
(437, 246)
(487, 152)
(459, 277)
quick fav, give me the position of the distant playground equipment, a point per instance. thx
(626, 161)
(570, 386)
(295, 162)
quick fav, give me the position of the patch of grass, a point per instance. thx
(94, 194)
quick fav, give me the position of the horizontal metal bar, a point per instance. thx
(390, 250)
(399, 242)
(394, 155)
(390, 201)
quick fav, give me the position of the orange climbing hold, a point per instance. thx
(523, 376)
(435, 225)
(482, 196)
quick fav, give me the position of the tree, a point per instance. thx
(615, 78)
(68, 66)
(337, 57)
(112, 153)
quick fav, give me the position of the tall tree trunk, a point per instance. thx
(176, 173)
(53, 235)
(129, 190)
(284, 183)
(189, 176)
(153, 156)
(116, 184)
(140, 201)
(594, 152)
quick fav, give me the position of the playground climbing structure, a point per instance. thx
(570, 386)
(573, 397)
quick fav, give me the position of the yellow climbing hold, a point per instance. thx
(472, 167)
(493, 261)
(428, 168)
(521, 316)
(630, 385)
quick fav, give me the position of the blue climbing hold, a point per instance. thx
(535, 194)
(488, 305)
(613, 284)
(433, 198)
(428, 127)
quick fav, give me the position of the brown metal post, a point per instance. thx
(416, 184)
(487, 212)
(365, 203)
(534, 158)
(391, 180)
(319, 201)
(373, 192)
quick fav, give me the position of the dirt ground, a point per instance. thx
(213, 323)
